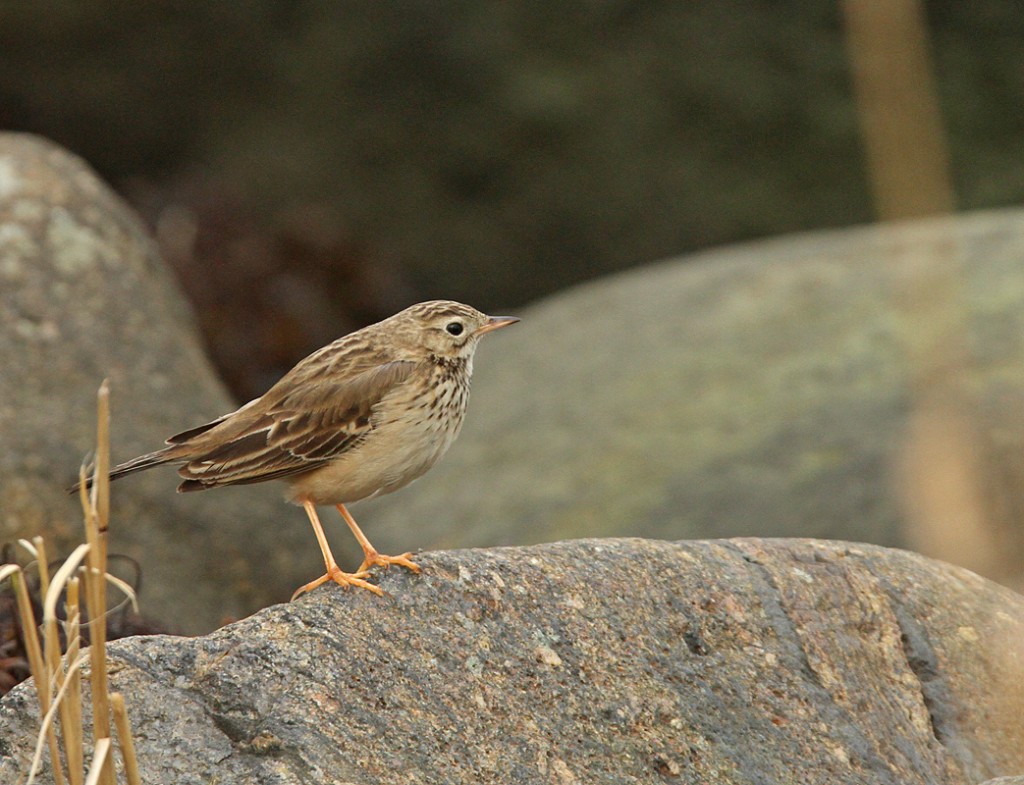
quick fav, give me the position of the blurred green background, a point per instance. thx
(309, 166)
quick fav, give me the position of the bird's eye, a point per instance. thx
(454, 328)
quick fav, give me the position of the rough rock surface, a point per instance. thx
(84, 296)
(762, 390)
(593, 661)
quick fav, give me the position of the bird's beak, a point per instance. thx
(497, 322)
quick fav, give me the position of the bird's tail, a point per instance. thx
(130, 467)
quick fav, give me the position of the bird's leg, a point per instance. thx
(370, 555)
(334, 573)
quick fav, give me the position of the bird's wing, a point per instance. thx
(295, 430)
(191, 433)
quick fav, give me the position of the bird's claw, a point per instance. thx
(343, 579)
(375, 559)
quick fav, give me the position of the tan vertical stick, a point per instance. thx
(97, 516)
(100, 762)
(941, 478)
(71, 706)
(898, 108)
(30, 632)
(51, 638)
(43, 564)
(49, 675)
(124, 738)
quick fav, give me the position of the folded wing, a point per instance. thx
(281, 435)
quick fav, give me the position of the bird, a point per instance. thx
(359, 418)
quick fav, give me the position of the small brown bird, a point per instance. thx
(362, 416)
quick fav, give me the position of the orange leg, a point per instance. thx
(334, 573)
(370, 555)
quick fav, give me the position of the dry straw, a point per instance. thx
(57, 674)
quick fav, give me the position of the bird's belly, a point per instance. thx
(392, 456)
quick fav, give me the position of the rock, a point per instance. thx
(594, 661)
(772, 389)
(83, 296)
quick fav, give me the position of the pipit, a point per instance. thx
(363, 416)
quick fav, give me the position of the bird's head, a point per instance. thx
(445, 328)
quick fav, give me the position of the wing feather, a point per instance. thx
(290, 430)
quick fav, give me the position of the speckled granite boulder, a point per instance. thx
(606, 662)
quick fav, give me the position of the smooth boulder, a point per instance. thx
(863, 384)
(84, 296)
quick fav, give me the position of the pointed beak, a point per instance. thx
(497, 322)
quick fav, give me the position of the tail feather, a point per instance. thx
(130, 467)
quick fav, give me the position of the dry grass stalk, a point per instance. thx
(34, 651)
(46, 725)
(57, 675)
(124, 738)
(97, 521)
(54, 660)
(71, 708)
(100, 762)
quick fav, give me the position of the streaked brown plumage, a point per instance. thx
(360, 417)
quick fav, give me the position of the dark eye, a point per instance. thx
(454, 328)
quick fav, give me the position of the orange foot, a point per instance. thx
(343, 579)
(374, 559)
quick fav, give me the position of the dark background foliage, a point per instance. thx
(309, 166)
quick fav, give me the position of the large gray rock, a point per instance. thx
(595, 661)
(83, 296)
(785, 387)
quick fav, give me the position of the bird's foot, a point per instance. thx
(343, 579)
(374, 559)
